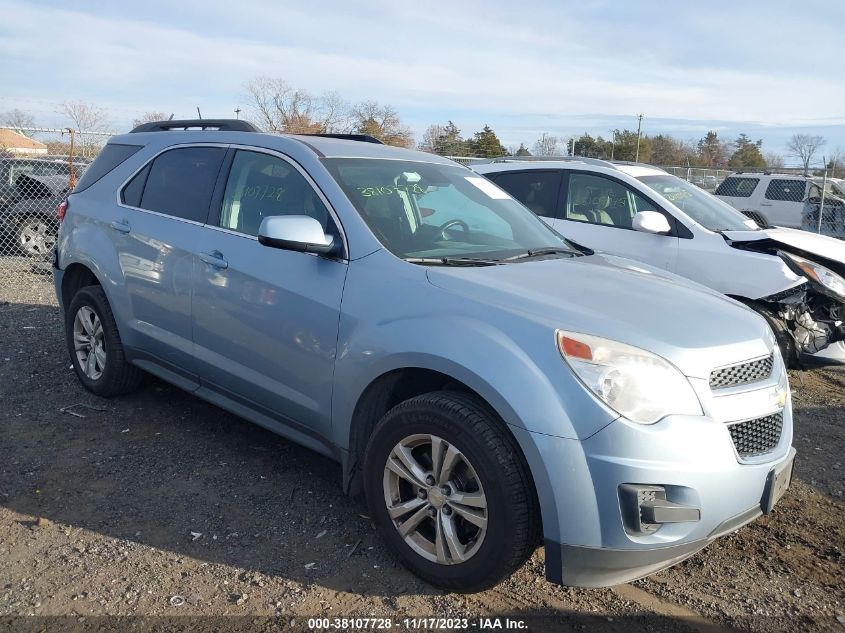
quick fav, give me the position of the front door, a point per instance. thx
(266, 319)
(598, 212)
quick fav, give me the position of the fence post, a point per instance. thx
(821, 205)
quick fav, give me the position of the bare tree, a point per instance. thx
(18, 119)
(431, 138)
(773, 160)
(276, 106)
(149, 117)
(547, 145)
(382, 122)
(804, 147)
(86, 119)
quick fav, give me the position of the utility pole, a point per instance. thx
(238, 112)
(639, 130)
(572, 147)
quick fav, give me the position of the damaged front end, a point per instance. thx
(812, 319)
(810, 315)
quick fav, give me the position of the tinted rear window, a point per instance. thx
(737, 187)
(537, 190)
(783, 189)
(181, 181)
(112, 155)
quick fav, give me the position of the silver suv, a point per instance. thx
(486, 383)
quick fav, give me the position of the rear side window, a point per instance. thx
(112, 155)
(131, 193)
(537, 190)
(737, 187)
(783, 189)
(181, 181)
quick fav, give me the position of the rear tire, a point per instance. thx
(487, 484)
(94, 345)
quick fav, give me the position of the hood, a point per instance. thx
(695, 328)
(824, 249)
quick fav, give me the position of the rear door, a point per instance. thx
(783, 201)
(739, 192)
(265, 320)
(156, 231)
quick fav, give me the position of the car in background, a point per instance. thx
(30, 191)
(768, 199)
(825, 214)
(793, 278)
(392, 310)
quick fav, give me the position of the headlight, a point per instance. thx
(819, 274)
(635, 383)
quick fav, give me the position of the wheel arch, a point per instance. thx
(400, 384)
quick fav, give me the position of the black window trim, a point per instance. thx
(78, 189)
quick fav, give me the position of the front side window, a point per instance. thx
(785, 190)
(706, 209)
(537, 190)
(181, 181)
(734, 187)
(260, 186)
(600, 200)
(429, 210)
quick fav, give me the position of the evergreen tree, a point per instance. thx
(712, 152)
(747, 154)
(486, 144)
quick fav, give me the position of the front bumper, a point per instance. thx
(588, 540)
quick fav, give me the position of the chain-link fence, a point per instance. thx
(31, 188)
(707, 179)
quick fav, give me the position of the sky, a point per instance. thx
(767, 68)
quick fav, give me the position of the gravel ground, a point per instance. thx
(157, 505)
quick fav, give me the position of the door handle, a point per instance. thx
(215, 259)
(121, 227)
(765, 204)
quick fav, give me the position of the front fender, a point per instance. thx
(534, 393)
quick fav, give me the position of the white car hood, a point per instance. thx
(821, 245)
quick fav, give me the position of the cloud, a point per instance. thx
(543, 62)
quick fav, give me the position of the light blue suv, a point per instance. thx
(485, 382)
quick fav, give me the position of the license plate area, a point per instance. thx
(777, 483)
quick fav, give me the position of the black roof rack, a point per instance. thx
(364, 138)
(220, 125)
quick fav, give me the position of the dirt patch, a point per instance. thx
(160, 505)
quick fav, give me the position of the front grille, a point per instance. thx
(742, 374)
(757, 437)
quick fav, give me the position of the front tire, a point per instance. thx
(95, 347)
(449, 491)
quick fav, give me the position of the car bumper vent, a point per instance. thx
(742, 374)
(757, 437)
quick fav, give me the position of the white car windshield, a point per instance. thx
(428, 211)
(704, 208)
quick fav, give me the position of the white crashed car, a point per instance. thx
(793, 278)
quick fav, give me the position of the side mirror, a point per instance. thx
(651, 222)
(300, 233)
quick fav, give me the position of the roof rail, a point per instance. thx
(552, 159)
(363, 138)
(633, 163)
(220, 125)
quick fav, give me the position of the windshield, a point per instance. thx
(704, 208)
(427, 210)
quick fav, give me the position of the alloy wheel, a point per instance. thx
(435, 499)
(89, 342)
(36, 238)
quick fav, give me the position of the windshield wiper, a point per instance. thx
(539, 252)
(452, 261)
